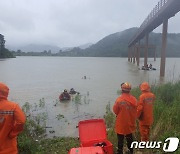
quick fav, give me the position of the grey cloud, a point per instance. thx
(72, 22)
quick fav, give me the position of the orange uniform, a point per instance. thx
(125, 109)
(12, 120)
(145, 111)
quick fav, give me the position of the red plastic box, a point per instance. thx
(93, 133)
(87, 150)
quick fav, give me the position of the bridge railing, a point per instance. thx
(154, 13)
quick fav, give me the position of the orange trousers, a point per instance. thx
(144, 131)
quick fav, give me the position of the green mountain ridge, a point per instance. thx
(116, 45)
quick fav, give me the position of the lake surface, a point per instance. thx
(33, 78)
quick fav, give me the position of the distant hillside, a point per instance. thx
(113, 45)
(116, 45)
(173, 43)
(35, 48)
(42, 48)
(39, 48)
(84, 46)
(110, 46)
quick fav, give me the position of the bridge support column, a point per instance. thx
(146, 50)
(134, 54)
(138, 53)
(129, 54)
(154, 53)
(163, 49)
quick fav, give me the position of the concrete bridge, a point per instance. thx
(160, 14)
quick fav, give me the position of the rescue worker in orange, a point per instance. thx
(145, 110)
(12, 120)
(125, 108)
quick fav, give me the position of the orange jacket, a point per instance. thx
(145, 108)
(12, 120)
(125, 109)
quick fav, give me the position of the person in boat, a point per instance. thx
(84, 77)
(125, 108)
(64, 96)
(150, 66)
(72, 91)
(145, 67)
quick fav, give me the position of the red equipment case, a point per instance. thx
(87, 150)
(93, 133)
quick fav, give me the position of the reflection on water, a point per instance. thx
(33, 78)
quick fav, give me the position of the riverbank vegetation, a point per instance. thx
(166, 124)
(4, 53)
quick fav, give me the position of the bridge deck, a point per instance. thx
(165, 9)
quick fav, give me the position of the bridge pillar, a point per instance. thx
(146, 49)
(138, 53)
(134, 54)
(129, 54)
(154, 53)
(163, 49)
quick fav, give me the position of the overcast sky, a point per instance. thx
(67, 23)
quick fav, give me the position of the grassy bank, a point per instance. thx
(166, 124)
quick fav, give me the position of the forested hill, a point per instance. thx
(116, 45)
(112, 45)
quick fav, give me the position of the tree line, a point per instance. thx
(4, 53)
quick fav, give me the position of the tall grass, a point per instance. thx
(33, 139)
(166, 111)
